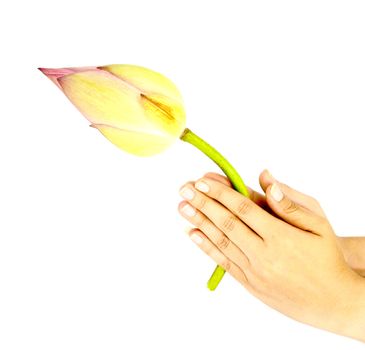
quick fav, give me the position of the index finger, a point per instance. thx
(257, 197)
(244, 208)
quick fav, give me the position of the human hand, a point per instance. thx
(291, 261)
(265, 180)
(352, 248)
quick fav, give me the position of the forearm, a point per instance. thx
(353, 249)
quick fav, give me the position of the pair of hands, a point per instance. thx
(281, 248)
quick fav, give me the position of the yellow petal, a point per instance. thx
(160, 97)
(165, 113)
(137, 143)
(146, 80)
(105, 99)
(133, 117)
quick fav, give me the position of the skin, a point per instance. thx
(282, 249)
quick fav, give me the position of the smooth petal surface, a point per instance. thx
(105, 99)
(160, 96)
(145, 80)
(138, 143)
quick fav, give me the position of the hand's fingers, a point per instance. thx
(203, 242)
(219, 239)
(259, 220)
(293, 213)
(247, 240)
(257, 197)
(266, 179)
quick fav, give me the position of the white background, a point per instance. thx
(93, 253)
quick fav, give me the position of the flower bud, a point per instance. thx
(137, 109)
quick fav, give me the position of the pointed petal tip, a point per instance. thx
(55, 72)
(46, 71)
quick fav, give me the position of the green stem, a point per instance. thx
(233, 176)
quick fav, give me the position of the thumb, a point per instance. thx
(302, 199)
(292, 212)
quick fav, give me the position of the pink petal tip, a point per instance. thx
(56, 73)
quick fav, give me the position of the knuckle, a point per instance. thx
(202, 222)
(243, 207)
(223, 243)
(217, 192)
(229, 223)
(201, 202)
(290, 207)
(209, 250)
(227, 265)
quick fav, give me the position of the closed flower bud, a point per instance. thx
(137, 109)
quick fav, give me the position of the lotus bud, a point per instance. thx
(137, 109)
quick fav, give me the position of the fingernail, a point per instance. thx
(187, 193)
(276, 192)
(188, 210)
(196, 238)
(202, 186)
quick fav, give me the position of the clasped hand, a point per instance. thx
(280, 247)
